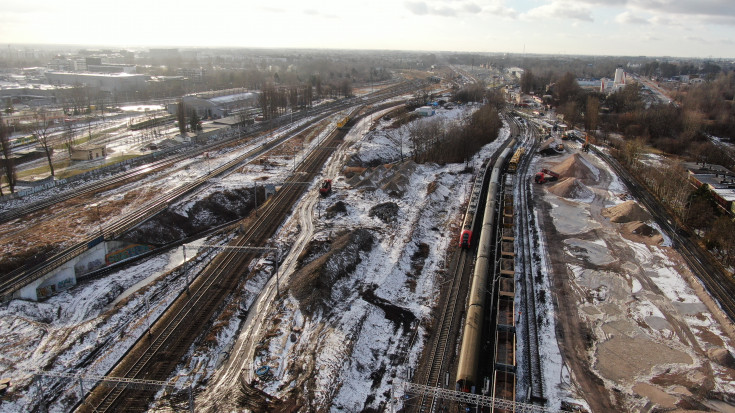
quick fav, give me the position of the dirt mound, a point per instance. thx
(312, 284)
(626, 212)
(574, 166)
(216, 209)
(387, 211)
(648, 234)
(339, 208)
(392, 179)
(571, 188)
(722, 357)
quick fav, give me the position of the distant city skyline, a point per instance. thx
(684, 28)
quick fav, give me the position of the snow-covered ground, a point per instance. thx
(85, 329)
(349, 355)
(356, 351)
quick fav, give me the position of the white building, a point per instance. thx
(217, 104)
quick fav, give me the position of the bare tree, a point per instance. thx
(7, 157)
(68, 136)
(41, 130)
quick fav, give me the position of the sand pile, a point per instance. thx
(574, 166)
(645, 231)
(628, 211)
(546, 144)
(571, 188)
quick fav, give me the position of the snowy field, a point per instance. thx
(87, 328)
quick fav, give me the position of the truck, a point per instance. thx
(546, 175)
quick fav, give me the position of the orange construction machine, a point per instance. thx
(546, 176)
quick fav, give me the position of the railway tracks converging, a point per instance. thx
(172, 334)
(11, 282)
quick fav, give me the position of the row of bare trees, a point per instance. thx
(695, 208)
(274, 101)
(444, 142)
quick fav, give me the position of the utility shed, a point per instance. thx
(88, 152)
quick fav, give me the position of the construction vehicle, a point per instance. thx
(513, 164)
(326, 187)
(546, 175)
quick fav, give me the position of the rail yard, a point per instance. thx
(367, 282)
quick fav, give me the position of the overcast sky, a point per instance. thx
(700, 28)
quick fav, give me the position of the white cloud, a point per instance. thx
(696, 39)
(498, 8)
(452, 8)
(627, 17)
(472, 8)
(662, 20)
(560, 9)
(417, 7)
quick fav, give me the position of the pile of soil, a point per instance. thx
(386, 212)
(401, 317)
(312, 285)
(392, 179)
(571, 188)
(574, 166)
(645, 232)
(722, 357)
(216, 209)
(628, 211)
(339, 208)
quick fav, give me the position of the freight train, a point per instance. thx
(470, 217)
(467, 370)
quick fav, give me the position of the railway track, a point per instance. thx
(444, 336)
(533, 376)
(179, 155)
(174, 332)
(442, 341)
(15, 280)
(719, 285)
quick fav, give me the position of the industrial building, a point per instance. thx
(718, 179)
(217, 104)
(108, 82)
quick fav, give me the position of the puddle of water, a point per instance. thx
(658, 323)
(591, 251)
(569, 218)
(690, 308)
